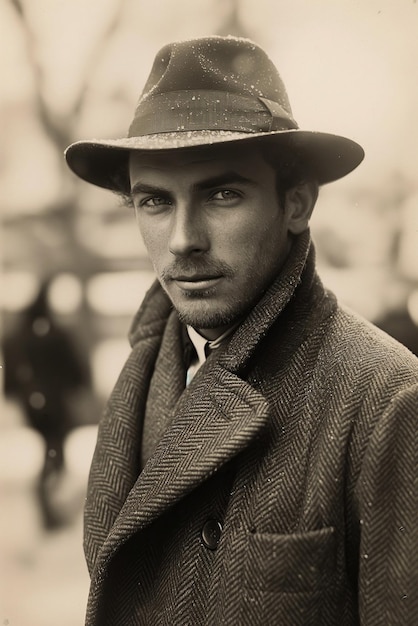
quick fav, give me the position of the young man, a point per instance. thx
(257, 461)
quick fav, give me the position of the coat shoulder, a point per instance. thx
(357, 343)
(367, 370)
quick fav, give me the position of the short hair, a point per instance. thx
(290, 167)
(120, 185)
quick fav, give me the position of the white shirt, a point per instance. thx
(200, 343)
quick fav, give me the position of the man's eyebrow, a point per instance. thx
(141, 187)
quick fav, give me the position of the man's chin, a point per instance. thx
(203, 318)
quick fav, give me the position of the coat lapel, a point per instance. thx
(166, 386)
(216, 418)
(116, 461)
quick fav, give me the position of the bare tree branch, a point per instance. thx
(59, 131)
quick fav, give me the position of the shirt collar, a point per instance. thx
(200, 342)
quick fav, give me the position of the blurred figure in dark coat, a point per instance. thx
(44, 373)
(399, 323)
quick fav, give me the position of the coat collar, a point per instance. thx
(299, 265)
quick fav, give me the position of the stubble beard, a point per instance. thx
(204, 317)
(197, 308)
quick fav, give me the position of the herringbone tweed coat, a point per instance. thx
(299, 437)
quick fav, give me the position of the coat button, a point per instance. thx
(211, 534)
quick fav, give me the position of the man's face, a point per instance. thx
(213, 227)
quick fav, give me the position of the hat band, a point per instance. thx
(181, 111)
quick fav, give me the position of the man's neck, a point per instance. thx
(216, 336)
(211, 334)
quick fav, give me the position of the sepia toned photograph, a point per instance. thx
(208, 312)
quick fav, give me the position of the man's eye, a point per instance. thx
(225, 195)
(154, 201)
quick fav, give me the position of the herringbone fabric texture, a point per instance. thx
(299, 437)
(166, 386)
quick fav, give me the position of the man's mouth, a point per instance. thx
(196, 282)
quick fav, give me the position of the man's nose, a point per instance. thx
(188, 232)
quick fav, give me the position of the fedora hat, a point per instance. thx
(207, 91)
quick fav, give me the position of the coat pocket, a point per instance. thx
(300, 562)
(290, 579)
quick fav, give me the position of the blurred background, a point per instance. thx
(74, 270)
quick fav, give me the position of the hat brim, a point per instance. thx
(105, 162)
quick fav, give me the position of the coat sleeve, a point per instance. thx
(387, 503)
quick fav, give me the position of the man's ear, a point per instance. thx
(299, 204)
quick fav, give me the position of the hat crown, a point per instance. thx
(228, 64)
(207, 91)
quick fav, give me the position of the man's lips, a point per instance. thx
(196, 281)
(194, 278)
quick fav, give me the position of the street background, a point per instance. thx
(73, 69)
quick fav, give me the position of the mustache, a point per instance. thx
(188, 267)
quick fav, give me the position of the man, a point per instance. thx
(273, 481)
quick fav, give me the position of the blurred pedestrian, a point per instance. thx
(399, 324)
(256, 463)
(396, 315)
(45, 373)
